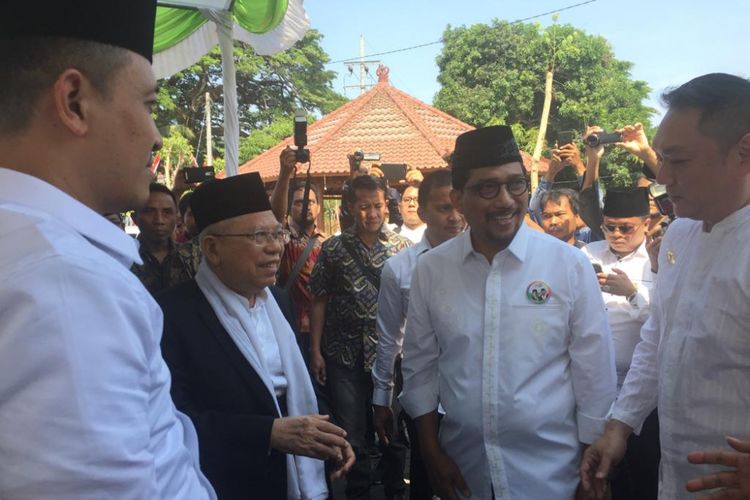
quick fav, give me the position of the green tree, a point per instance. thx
(493, 74)
(268, 87)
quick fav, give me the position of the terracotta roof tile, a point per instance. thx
(383, 120)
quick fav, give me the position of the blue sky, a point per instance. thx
(668, 41)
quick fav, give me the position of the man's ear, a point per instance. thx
(209, 251)
(73, 94)
(743, 150)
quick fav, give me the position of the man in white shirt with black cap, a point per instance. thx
(513, 344)
(693, 360)
(85, 410)
(625, 277)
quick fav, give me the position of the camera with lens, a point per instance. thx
(602, 138)
(300, 136)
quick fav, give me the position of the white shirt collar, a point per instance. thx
(45, 199)
(517, 247)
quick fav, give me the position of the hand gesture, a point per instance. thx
(382, 420)
(287, 162)
(555, 165)
(179, 185)
(616, 283)
(570, 155)
(597, 459)
(445, 477)
(634, 140)
(318, 367)
(310, 436)
(341, 467)
(414, 178)
(735, 483)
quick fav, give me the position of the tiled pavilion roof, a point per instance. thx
(383, 120)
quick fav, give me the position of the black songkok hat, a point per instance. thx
(633, 203)
(221, 199)
(123, 23)
(485, 147)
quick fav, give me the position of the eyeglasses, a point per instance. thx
(623, 228)
(261, 237)
(410, 199)
(489, 189)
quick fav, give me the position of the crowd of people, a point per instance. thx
(554, 344)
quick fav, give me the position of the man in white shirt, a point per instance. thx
(694, 355)
(626, 279)
(85, 411)
(443, 223)
(512, 343)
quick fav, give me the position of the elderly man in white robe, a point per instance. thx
(237, 370)
(512, 343)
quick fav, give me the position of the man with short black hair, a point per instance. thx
(85, 410)
(345, 284)
(512, 343)
(560, 215)
(303, 248)
(693, 359)
(165, 262)
(413, 226)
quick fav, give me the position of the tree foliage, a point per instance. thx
(269, 88)
(494, 74)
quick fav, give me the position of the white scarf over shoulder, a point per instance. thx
(305, 476)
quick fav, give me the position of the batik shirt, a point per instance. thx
(177, 267)
(349, 337)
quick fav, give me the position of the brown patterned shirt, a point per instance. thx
(177, 267)
(349, 337)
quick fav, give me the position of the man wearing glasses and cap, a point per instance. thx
(625, 277)
(85, 410)
(513, 344)
(236, 368)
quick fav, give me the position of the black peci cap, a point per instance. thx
(633, 203)
(128, 24)
(485, 147)
(221, 199)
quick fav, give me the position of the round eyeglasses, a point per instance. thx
(489, 189)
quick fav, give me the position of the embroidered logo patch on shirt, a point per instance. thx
(538, 292)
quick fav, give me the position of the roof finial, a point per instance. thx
(382, 73)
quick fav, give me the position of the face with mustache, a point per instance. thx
(495, 220)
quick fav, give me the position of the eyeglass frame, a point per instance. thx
(618, 227)
(499, 185)
(282, 235)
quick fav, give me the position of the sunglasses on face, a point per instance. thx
(489, 189)
(623, 228)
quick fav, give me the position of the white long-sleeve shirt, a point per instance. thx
(523, 382)
(85, 409)
(393, 303)
(694, 356)
(626, 317)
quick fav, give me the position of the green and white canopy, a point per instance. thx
(188, 29)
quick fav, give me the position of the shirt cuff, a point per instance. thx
(382, 397)
(419, 401)
(630, 419)
(589, 428)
